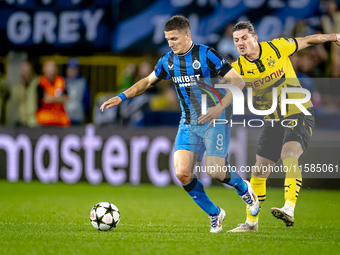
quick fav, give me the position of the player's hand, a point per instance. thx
(212, 114)
(110, 103)
(337, 41)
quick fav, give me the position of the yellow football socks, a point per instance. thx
(293, 181)
(259, 187)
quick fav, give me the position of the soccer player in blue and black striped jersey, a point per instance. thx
(194, 69)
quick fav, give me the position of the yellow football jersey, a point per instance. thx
(272, 69)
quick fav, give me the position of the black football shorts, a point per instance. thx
(273, 138)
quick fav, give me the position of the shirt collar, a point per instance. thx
(182, 55)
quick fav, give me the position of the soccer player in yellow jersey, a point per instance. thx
(264, 66)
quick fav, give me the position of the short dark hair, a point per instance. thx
(177, 22)
(244, 25)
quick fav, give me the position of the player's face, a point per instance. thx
(179, 41)
(245, 42)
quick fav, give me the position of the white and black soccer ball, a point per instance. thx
(105, 216)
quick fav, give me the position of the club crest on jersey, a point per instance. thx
(271, 62)
(196, 64)
(171, 67)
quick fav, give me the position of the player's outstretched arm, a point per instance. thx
(232, 77)
(135, 90)
(311, 40)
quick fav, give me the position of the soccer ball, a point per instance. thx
(104, 216)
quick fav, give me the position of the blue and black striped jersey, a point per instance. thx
(194, 73)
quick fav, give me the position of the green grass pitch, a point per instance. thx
(38, 218)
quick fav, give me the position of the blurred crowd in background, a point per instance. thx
(49, 92)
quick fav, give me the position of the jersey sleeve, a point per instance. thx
(285, 46)
(160, 71)
(217, 63)
(235, 66)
